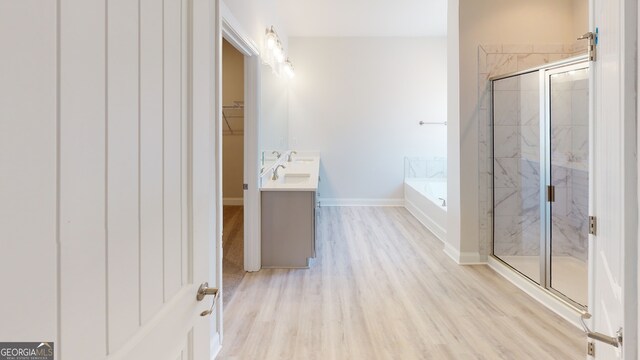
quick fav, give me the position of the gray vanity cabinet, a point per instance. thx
(288, 228)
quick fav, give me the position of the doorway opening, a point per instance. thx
(232, 168)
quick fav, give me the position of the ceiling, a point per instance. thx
(364, 17)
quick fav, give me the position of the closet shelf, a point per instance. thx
(233, 116)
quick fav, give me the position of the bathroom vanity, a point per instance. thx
(289, 211)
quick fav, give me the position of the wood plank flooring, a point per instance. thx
(382, 288)
(232, 250)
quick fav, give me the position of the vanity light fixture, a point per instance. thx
(273, 54)
(288, 68)
(278, 52)
(271, 39)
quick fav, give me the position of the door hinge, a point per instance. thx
(245, 186)
(591, 348)
(593, 225)
(591, 47)
(551, 193)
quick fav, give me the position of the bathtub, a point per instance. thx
(422, 197)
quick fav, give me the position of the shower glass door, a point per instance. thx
(568, 174)
(517, 168)
(540, 182)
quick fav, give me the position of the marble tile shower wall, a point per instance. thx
(516, 164)
(425, 167)
(517, 157)
(570, 164)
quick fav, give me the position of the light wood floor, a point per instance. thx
(382, 288)
(232, 250)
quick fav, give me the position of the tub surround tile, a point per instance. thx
(422, 167)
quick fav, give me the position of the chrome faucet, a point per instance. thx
(277, 154)
(275, 176)
(444, 202)
(291, 153)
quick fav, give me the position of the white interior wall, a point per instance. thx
(580, 13)
(358, 101)
(232, 144)
(491, 22)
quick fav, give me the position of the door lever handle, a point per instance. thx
(205, 290)
(615, 341)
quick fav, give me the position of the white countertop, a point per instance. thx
(300, 174)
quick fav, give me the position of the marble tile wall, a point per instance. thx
(425, 167)
(569, 173)
(517, 163)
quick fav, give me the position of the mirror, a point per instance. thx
(274, 117)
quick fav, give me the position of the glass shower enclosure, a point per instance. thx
(540, 175)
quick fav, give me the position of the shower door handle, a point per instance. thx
(551, 193)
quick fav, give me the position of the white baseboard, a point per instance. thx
(233, 201)
(361, 202)
(464, 258)
(437, 230)
(452, 252)
(552, 302)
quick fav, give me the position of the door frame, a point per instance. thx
(232, 31)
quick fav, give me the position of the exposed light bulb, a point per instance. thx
(288, 68)
(278, 53)
(271, 38)
(270, 42)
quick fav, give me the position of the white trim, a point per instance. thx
(233, 201)
(216, 147)
(541, 295)
(452, 252)
(437, 230)
(464, 258)
(252, 240)
(233, 32)
(361, 202)
(215, 346)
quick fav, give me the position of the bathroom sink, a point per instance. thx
(292, 178)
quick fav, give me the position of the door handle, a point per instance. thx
(615, 341)
(205, 290)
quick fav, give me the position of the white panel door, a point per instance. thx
(136, 168)
(28, 174)
(614, 197)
